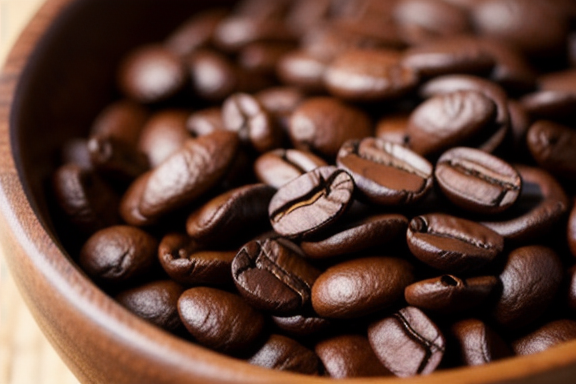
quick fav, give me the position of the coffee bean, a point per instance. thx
(302, 69)
(392, 128)
(285, 354)
(545, 337)
(556, 106)
(116, 160)
(386, 173)
(122, 120)
(263, 57)
(280, 166)
(311, 202)
(273, 276)
(478, 344)
(452, 244)
(235, 32)
(75, 151)
(205, 121)
(477, 181)
(212, 75)
(206, 314)
(356, 287)
(407, 343)
(299, 325)
(552, 145)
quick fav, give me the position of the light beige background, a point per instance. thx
(26, 357)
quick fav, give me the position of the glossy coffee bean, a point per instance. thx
(285, 354)
(273, 276)
(530, 280)
(477, 181)
(212, 75)
(302, 326)
(322, 124)
(205, 121)
(356, 287)
(553, 105)
(545, 337)
(280, 166)
(347, 356)
(302, 69)
(183, 177)
(236, 214)
(356, 236)
(407, 343)
(552, 146)
(448, 293)
(116, 160)
(206, 314)
(392, 128)
(311, 202)
(190, 264)
(263, 57)
(369, 75)
(452, 244)
(477, 343)
(384, 172)
(163, 134)
(281, 101)
(155, 302)
(122, 120)
(118, 255)
(236, 32)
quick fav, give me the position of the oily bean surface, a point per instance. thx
(280, 166)
(478, 343)
(285, 354)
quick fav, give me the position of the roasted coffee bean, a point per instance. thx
(356, 236)
(156, 302)
(278, 167)
(212, 75)
(449, 119)
(122, 120)
(477, 181)
(384, 172)
(116, 160)
(285, 354)
(322, 124)
(190, 264)
(163, 134)
(205, 122)
(273, 276)
(370, 75)
(452, 244)
(552, 146)
(206, 314)
(87, 201)
(556, 106)
(281, 102)
(75, 151)
(347, 356)
(118, 255)
(448, 293)
(407, 343)
(237, 214)
(300, 326)
(311, 202)
(235, 32)
(357, 287)
(478, 344)
(545, 337)
(262, 57)
(392, 128)
(530, 280)
(302, 69)
(564, 81)
(151, 74)
(183, 177)
(262, 9)
(571, 288)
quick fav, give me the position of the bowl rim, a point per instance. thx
(36, 261)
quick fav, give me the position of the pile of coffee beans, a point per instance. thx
(341, 188)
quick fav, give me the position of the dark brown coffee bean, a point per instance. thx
(304, 14)
(206, 314)
(180, 179)
(519, 124)
(392, 128)
(235, 32)
(449, 119)
(356, 236)
(190, 264)
(239, 213)
(369, 75)
(452, 244)
(87, 201)
(118, 254)
(151, 74)
(545, 337)
(384, 172)
(205, 121)
(213, 76)
(243, 114)
(302, 326)
(117, 160)
(407, 343)
(285, 354)
(263, 9)
(163, 135)
(273, 276)
(156, 302)
(263, 57)
(477, 181)
(449, 294)
(122, 120)
(478, 344)
(75, 151)
(322, 124)
(302, 69)
(557, 106)
(281, 102)
(356, 288)
(348, 356)
(563, 81)
(552, 146)
(530, 279)
(311, 202)
(280, 166)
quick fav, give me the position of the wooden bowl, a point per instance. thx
(57, 77)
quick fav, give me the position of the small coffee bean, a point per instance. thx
(407, 343)
(564, 81)
(347, 356)
(356, 287)
(477, 181)
(386, 173)
(235, 32)
(281, 102)
(280, 166)
(116, 160)
(285, 354)
(552, 146)
(263, 57)
(122, 120)
(302, 69)
(392, 128)
(300, 326)
(273, 276)
(478, 344)
(205, 121)
(212, 75)
(452, 244)
(311, 202)
(206, 314)
(545, 337)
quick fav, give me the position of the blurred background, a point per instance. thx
(26, 357)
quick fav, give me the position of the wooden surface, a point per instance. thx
(26, 357)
